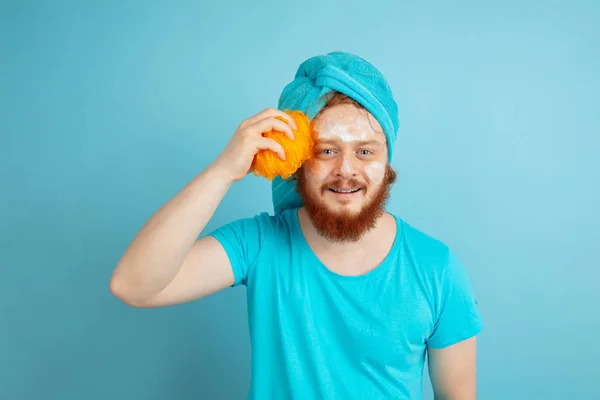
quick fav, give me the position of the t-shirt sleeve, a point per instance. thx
(458, 317)
(241, 240)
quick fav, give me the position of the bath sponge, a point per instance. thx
(267, 164)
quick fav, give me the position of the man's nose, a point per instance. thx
(345, 167)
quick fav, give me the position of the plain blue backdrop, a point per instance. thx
(108, 108)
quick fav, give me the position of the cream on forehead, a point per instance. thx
(348, 129)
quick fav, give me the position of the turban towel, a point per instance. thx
(345, 73)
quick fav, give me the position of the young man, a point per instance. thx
(344, 299)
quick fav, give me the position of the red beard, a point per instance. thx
(344, 226)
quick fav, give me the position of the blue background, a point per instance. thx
(107, 109)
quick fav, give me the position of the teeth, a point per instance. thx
(345, 191)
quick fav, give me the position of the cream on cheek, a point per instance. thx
(375, 171)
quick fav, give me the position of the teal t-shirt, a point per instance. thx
(316, 334)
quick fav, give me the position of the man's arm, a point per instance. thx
(166, 264)
(453, 371)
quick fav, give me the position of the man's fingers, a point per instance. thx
(270, 144)
(267, 124)
(271, 112)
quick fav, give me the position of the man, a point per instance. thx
(344, 299)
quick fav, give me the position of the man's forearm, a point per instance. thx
(158, 250)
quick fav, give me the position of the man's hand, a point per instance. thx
(453, 371)
(247, 140)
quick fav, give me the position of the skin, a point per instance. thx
(452, 371)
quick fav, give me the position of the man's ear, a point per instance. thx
(294, 177)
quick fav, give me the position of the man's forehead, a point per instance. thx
(348, 116)
(347, 123)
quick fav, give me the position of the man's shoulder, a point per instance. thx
(420, 240)
(258, 229)
(264, 223)
(283, 219)
(424, 248)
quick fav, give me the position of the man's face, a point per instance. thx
(344, 185)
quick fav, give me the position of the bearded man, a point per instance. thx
(345, 300)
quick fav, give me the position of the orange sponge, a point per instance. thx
(268, 164)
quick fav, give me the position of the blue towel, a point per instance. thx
(345, 73)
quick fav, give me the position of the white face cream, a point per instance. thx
(347, 129)
(375, 171)
(346, 168)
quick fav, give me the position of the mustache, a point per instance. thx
(340, 183)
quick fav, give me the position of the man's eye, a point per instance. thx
(327, 151)
(365, 152)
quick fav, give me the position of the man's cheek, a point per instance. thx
(375, 172)
(317, 171)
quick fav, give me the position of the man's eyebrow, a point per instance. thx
(370, 142)
(358, 142)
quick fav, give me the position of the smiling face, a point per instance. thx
(350, 154)
(346, 183)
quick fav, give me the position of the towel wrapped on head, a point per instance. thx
(345, 73)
